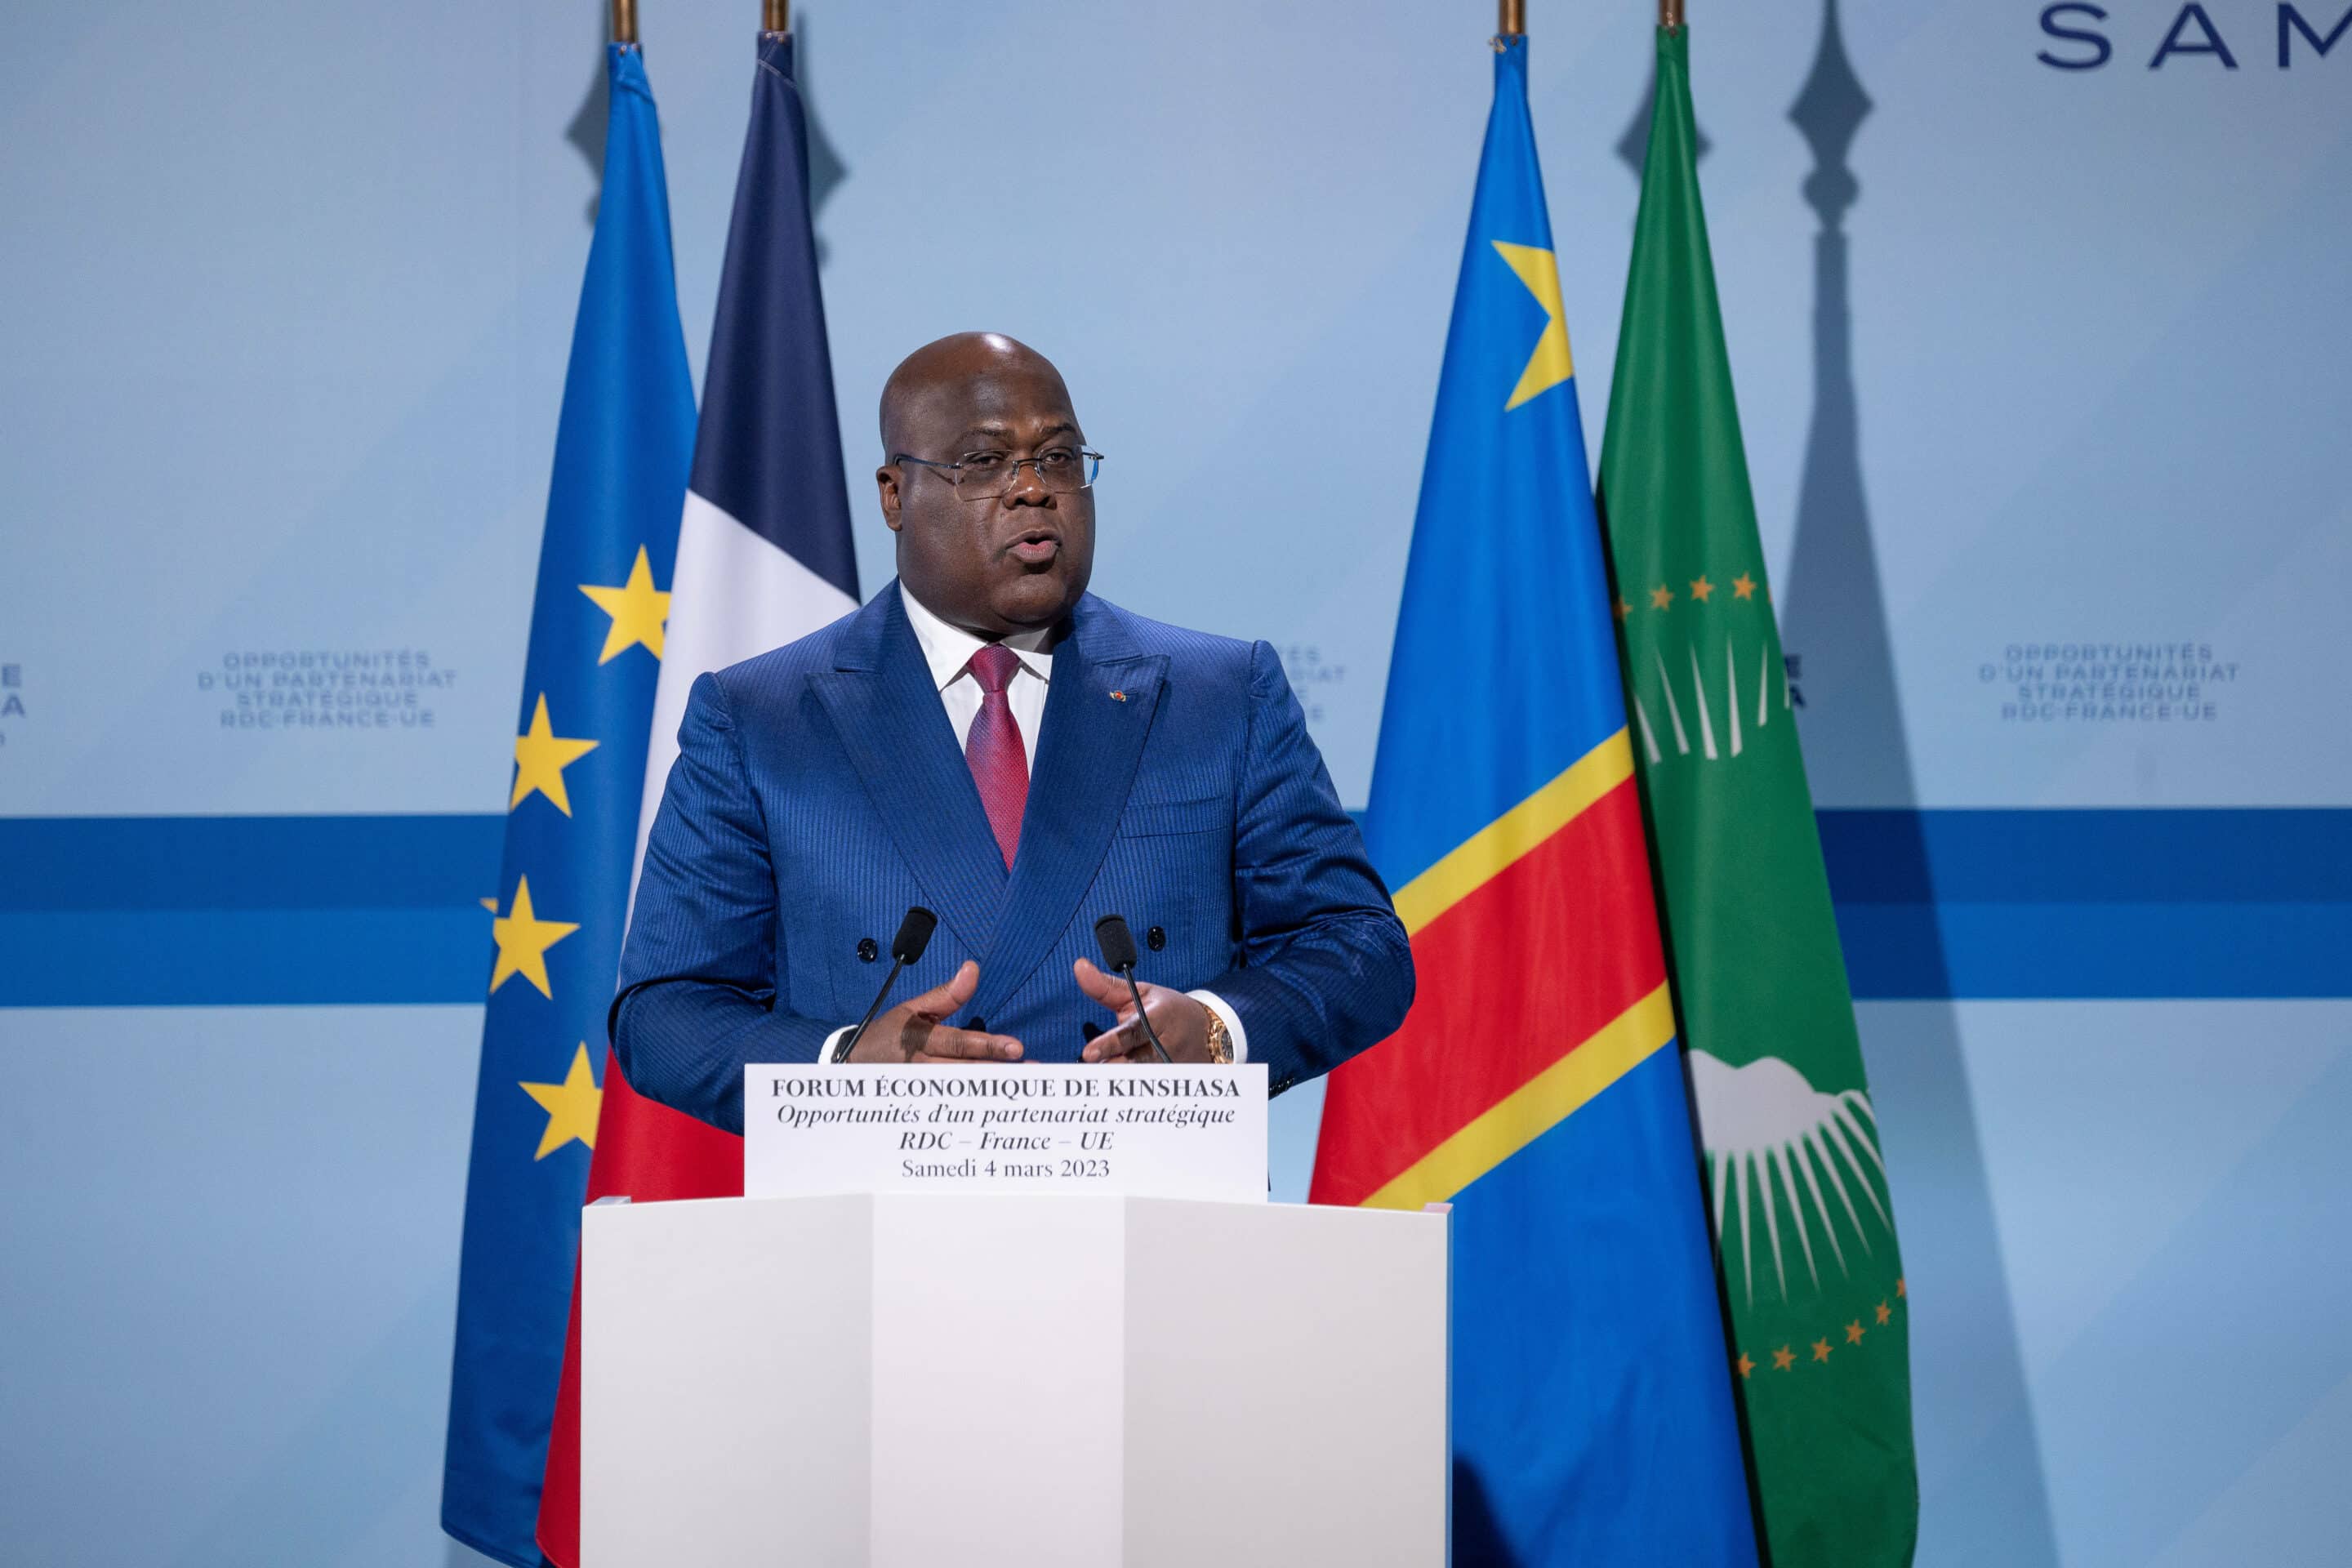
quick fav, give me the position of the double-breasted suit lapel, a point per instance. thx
(885, 710)
(888, 715)
(1098, 710)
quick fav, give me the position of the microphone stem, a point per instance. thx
(849, 1041)
(1145, 1018)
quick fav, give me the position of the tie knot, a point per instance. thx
(992, 667)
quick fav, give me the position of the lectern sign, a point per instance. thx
(1108, 1132)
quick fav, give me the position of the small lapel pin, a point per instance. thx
(1118, 697)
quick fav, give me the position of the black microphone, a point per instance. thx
(914, 935)
(1118, 945)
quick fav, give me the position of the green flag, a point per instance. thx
(1803, 1222)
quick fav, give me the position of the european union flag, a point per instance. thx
(1536, 1084)
(764, 559)
(622, 450)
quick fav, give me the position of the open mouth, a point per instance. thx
(1035, 547)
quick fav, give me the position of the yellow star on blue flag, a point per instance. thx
(640, 610)
(1551, 363)
(570, 1106)
(524, 940)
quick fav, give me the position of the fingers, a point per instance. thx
(1181, 1021)
(1126, 1040)
(1101, 988)
(951, 994)
(1127, 1043)
(916, 1029)
(925, 1041)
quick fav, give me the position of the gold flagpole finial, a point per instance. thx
(1670, 15)
(775, 15)
(624, 21)
(1511, 21)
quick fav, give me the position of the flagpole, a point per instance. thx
(625, 22)
(1670, 15)
(775, 16)
(1511, 20)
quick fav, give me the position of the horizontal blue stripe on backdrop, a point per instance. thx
(260, 910)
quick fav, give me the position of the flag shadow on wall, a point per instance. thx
(1842, 658)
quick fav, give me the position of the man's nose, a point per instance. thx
(1028, 487)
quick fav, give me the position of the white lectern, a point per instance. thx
(914, 1382)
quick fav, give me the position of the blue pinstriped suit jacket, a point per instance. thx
(819, 792)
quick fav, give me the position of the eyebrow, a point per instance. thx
(1002, 436)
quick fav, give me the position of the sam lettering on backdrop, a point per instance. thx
(2192, 32)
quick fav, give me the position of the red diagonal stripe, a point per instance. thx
(1509, 980)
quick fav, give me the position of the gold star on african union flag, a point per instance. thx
(541, 757)
(524, 940)
(1551, 363)
(570, 1106)
(1783, 1359)
(637, 609)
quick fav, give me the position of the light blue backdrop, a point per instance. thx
(289, 291)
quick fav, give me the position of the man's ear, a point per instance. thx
(886, 487)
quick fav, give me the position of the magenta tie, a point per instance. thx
(999, 766)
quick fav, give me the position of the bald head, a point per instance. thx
(994, 565)
(954, 369)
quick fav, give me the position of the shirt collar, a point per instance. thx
(947, 649)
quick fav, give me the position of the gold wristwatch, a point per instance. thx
(1221, 1044)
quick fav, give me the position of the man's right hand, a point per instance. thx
(915, 1030)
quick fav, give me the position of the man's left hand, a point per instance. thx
(1182, 1022)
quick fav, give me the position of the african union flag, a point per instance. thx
(597, 626)
(1804, 1223)
(1536, 1084)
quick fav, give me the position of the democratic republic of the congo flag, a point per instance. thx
(622, 447)
(1535, 1083)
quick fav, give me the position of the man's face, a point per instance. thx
(1004, 565)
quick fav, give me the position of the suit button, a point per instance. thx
(868, 949)
(1155, 939)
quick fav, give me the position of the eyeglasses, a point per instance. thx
(985, 475)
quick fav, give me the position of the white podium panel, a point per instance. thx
(902, 1381)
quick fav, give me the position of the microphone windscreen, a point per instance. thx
(914, 934)
(1117, 943)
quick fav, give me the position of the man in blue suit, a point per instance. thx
(987, 739)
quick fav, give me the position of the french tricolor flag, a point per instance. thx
(764, 558)
(763, 551)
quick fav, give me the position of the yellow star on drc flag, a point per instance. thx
(541, 757)
(637, 608)
(570, 1106)
(1551, 363)
(524, 940)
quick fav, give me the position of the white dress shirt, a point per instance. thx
(948, 650)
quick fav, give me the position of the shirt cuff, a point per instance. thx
(1232, 1021)
(831, 1043)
